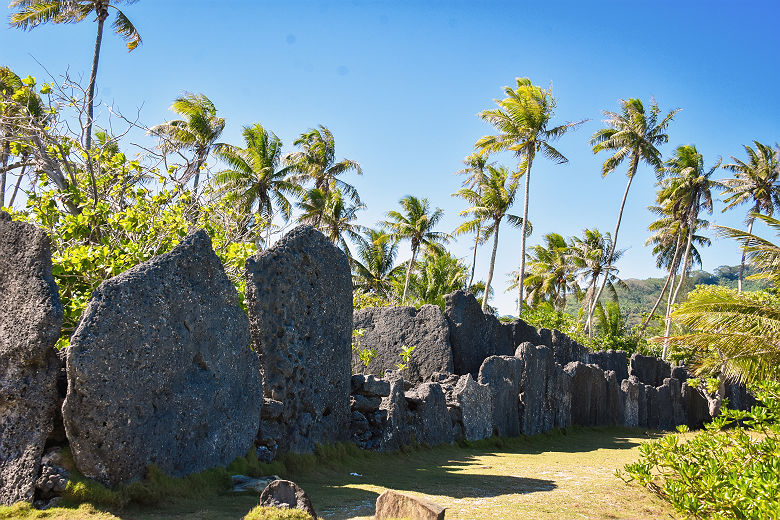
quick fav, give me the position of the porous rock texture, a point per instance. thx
(474, 335)
(160, 370)
(544, 390)
(475, 402)
(299, 297)
(389, 329)
(588, 395)
(503, 374)
(566, 349)
(650, 370)
(393, 505)
(396, 431)
(285, 494)
(614, 360)
(631, 392)
(30, 324)
(428, 417)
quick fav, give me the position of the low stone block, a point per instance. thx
(285, 494)
(394, 505)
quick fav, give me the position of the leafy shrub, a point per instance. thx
(729, 470)
(274, 513)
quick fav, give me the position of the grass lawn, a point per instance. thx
(551, 476)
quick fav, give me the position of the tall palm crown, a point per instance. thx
(489, 206)
(590, 254)
(475, 165)
(551, 274)
(374, 265)
(197, 132)
(415, 222)
(32, 13)
(438, 274)
(331, 214)
(254, 180)
(634, 134)
(756, 181)
(317, 161)
(523, 120)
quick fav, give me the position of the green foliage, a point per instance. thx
(544, 315)
(729, 470)
(406, 357)
(275, 513)
(363, 300)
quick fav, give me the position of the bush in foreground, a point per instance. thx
(273, 513)
(729, 470)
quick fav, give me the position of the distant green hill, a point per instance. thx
(638, 297)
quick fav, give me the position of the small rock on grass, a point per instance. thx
(392, 504)
(285, 494)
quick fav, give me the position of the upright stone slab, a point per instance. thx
(615, 411)
(160, 370)
(589, 394)
(697, 408)
(389, 329)
(631, 397)
(614, 360)
(30, 324)
(396, 432)
(474, 335)
(429, 419)
(523, 332)
(650, 370)
(538, 365)
(476, 405)
(502, 374)
(299, 296)
(559, 397)
(566, 349)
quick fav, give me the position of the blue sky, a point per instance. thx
(400, 83)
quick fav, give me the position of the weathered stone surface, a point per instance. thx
(681, 374)
(652, 404)
(522, 332)
(396, 431)
(503, 374)
(697, 408)
(392, 505)
(389, 329)
(428, 417)
(559, 397)
(589, 394)
(474, 335)
(650, 370)
(631, 397)
(614, 360)
(361, 403)
(286, 494)
(160, 370)
(566, 349)
(615, 407)
(538, 365)
(272, 409)
(738, 396)
(370, 386)
(299, 297)
(476, 408)
(30, 324)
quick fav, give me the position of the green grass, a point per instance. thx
(555, 475)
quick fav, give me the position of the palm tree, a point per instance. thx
(685, 191)
(756, 181)
(551, 273)
(197, 132)
(332, 215)
(415, 223)
(489, 206)
(667, 237)
(594, 256)
(374, 265)
(254, 180)
(32, 13)
(475, 169)
(317, 161)
(635, 134)
(523, 121)
(438, 274)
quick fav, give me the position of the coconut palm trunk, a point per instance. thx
(631, 173)
(16, 187)
(490, 271)
(673, 294)
(742, 262)
(409, 272)
(474, 258)
(522, 235)
(672, 268)
(102, 14)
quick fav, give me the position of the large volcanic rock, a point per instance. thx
(429, 419)
(590, 395)
(544, 389)
(30, 324)
(476, 405)
(614, 360)
(650, 370)
(389, 329)
(475, 335)
(299, 296)
(160, 370)
(503, 374)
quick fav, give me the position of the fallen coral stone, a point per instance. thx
(392, 504)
